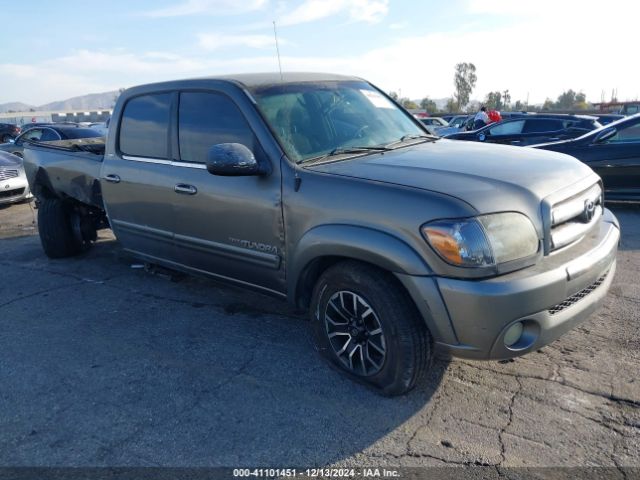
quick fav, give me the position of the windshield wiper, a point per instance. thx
(346, 151)
(404, 138)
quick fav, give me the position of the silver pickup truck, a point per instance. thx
(319, 189)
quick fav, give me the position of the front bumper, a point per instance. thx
(469, 318)
(14, 190)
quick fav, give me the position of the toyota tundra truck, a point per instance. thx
(321, 190)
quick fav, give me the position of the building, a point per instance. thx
(20, 118)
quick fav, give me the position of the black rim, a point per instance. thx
(355, 333)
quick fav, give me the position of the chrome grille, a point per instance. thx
(6, 173)
(576, 297)
(573, 217)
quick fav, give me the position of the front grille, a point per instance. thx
(11, 193)
(6, 174)
(576, 297)
(573, 217)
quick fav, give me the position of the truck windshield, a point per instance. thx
(316, 119)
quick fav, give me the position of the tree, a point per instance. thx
(548, 104)
(566, 100)
(464, 81)
(116, 96)
(506, 99)
(451, 106)
(429, 105)
(519, 106)
(493, 101)
(409, 104)
(394, 95)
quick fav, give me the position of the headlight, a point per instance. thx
(483, 241)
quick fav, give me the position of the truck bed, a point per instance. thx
(66, 169)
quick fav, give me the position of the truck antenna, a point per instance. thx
(275, 34)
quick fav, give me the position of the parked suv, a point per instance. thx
(320, 190)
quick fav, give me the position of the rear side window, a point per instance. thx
(508, 128)
(144, 130)
(208, 119)
(542, 125)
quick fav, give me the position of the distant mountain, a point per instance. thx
(15, 107)
(93, 101)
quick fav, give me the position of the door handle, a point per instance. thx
(112, 178)
(185, 189)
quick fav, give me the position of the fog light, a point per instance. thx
(513, 334)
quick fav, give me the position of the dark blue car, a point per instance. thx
(613, 151)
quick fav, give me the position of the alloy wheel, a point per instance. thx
(355, 333)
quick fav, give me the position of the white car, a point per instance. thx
(433, 123)
(457, 124)
(13, 181)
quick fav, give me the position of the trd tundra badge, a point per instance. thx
(261, 247)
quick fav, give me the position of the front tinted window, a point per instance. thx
(144, 128)
(507, 128)
(315, 118)
(33, 134)
(628, 134)
(207, 119)
(542, 125)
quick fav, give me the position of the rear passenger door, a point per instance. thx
(230, 227)
(617, 160)
(137, 181)
(540, 130)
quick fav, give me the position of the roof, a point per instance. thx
(257, 80)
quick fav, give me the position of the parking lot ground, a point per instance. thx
(102, 364)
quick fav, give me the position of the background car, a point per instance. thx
(455, 125)
(431, 123)
(613, 151)
(47, 133)
(8, 131)
(607, 118)
(13, 181)
(530, 129)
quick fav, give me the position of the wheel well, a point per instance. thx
(315, 268)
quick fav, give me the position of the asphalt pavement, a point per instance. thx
(103, 363)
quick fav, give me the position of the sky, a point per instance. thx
(55, 50)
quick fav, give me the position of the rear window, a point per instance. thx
(144, 129)
(81, 133)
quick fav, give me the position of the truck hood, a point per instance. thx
(488, 177)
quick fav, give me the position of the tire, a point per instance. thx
(55, 227)
(391, 361)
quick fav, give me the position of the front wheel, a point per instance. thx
(367, 325)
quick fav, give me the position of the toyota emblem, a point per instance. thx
(589, 210)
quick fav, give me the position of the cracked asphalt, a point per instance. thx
(102, 364)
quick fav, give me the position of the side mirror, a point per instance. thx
(233, 160)
(605, 135)
(482, 137)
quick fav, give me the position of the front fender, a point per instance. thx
(359, 243)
